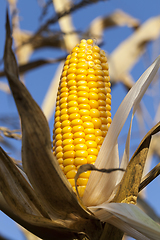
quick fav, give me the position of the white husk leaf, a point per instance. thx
(95, 192)
(144, 82)
(97, 186)
(126, 228)
(128, 216)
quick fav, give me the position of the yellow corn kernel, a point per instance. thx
(67, 135)
(81, 190)
(67, 141)
(88, 125)
(60, 161)
(78, 140)
(80, 147)
(68, 162)
(94, 90)
(58, 143)
(78, 128)
(81, 154)
(91, 144)
(84, 106)
(91, 137)
(91, 158)
(71, 174)
(79, 135)
(86, 118)
(89, 131)
(94, 113)
(68, 147)
(68, 168)
(82, 181)
(97, 122)
(80, 161)
(85, 174)
(83, 110)
(72, 182)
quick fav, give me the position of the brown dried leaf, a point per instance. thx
(22, 205)
(127, 191)
(42, 169)
(42, 228)
(16, 190)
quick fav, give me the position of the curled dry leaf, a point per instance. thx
(91, 167)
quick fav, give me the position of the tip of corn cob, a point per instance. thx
(83, 110)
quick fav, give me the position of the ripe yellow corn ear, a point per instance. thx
(83, 110)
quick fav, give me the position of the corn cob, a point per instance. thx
(83, 110)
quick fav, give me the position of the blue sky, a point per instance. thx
(38, 81)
